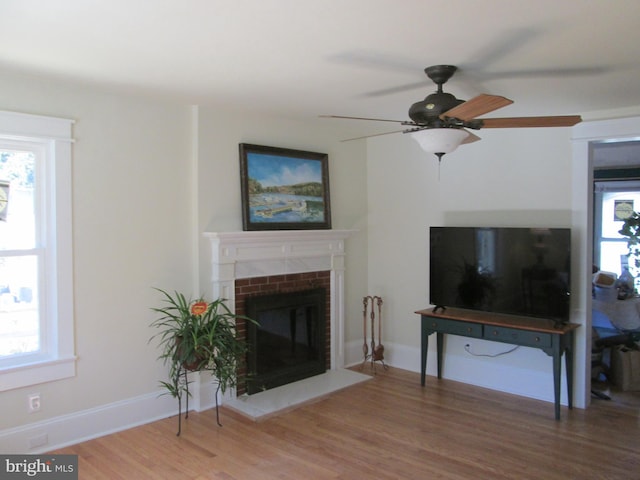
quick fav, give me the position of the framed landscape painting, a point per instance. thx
(284, 189)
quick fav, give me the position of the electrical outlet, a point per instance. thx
(33, 402)
(38, 440)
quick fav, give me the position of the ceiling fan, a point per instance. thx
(443, 120)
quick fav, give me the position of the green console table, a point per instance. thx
(554, 340)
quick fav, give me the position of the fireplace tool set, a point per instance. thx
(377, 351)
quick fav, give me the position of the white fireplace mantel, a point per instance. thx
(248, 254)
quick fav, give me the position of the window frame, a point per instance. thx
(601, 187)
(57, 359)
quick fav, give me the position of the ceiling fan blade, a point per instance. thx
(472, 137)
(364, 118)
(546, 72)
(479, 105)
(524, 122)
(373, 135)
(397, 89)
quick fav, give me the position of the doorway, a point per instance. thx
(616, 194)
(587, 140)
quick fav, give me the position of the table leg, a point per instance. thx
(568, 352)
(440, 341)
(557, 352)
(424, 348)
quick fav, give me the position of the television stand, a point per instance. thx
(552, 338)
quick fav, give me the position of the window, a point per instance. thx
(19, 257)
(613, 200)
(36, 290)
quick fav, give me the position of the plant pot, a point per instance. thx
(198, 362)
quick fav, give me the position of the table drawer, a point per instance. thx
(454, 327)
(517, 336)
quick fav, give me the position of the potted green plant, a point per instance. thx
(196, 335)
(631, 230)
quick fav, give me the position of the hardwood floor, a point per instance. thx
(386, 428)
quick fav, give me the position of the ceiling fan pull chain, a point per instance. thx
(439, 155)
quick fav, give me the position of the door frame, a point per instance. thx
(584, 137)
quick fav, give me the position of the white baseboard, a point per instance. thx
(65, 430)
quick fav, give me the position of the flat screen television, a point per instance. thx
(516, 271)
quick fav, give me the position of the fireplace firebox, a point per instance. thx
(289, 343)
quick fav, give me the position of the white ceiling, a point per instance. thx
(311, 57)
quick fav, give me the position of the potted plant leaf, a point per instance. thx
(631, 230)
(196, 335)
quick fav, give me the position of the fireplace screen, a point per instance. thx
(288, 344)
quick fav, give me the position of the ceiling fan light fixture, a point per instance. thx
(440, 140)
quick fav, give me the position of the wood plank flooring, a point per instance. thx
(386, 428)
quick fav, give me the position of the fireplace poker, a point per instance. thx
(378, 351)
(365, 348)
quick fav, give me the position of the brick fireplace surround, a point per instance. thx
(289, 283)
(246, 262)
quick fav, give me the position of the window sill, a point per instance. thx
(35, 373)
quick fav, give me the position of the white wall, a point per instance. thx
(131, 231)
(511, 178)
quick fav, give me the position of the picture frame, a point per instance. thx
(284, 189)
